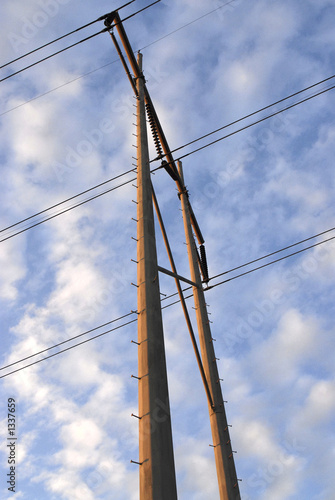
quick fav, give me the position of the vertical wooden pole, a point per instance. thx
(157, 469)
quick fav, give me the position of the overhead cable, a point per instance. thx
(188, 24)
(75, 345)
(68, 348)
(241, 129)
(101, 18)
(196, 150)
(66, 341)
(57, 88)
(273, 253)
(263, 109)
(51, 55)
(67, 200)
(74, 44)
(112, 62)
(65, 210)
(269, 263)
(164, 307)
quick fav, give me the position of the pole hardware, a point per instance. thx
(176, 276)
(136, 416)
(108, 19)
(138, 343)
(139, 463)
(138, 378)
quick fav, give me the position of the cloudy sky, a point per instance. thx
(66, 125)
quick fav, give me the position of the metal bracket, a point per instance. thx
(177, 276)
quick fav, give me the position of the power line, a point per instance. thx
(101, 18)
(269, 263)
(192, 152)
(66, 341)
(65, 201)
(66, 210)
(68, 349)
(74, 44)
(76, 345)
(110, 63)
(164, 307)
(206, 135)
(260, 110)
(273, 253)
(243, 128)
(187, 24)
(52, 55)
(59, 87)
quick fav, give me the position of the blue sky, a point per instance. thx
(253, 193)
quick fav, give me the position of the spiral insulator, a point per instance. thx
(154, 131)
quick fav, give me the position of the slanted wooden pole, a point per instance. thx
(224, 457)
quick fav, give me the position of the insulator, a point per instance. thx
(154, 131)
(203, 260)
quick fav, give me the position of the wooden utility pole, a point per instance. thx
(224, 456)
(157, 470)
(156, 460)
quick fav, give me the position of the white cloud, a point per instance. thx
(279, 358)
(13, 271)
